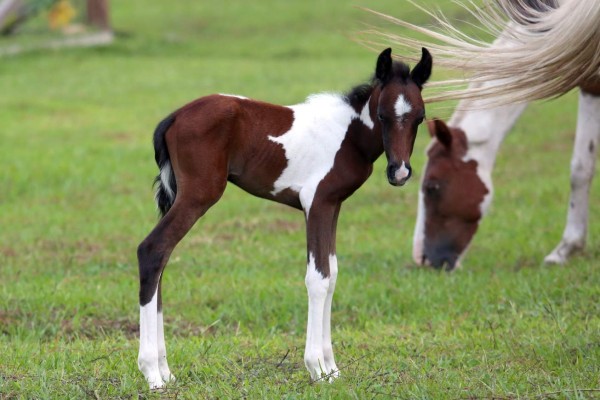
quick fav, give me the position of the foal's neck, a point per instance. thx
(366, 135)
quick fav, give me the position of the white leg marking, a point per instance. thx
(148, 354)
(317, 288)
(583, 164)
(330, 366)
(163, 366)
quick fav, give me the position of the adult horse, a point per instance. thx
(547, 48)
(311, 156)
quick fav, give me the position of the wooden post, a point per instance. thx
(98, 14)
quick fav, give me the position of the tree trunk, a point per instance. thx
(98, 15)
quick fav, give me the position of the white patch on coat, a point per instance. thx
(233, 95)
(365, 116)
(419, 234)
(402, 106)
(310, 146)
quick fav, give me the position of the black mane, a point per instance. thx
(358, 95)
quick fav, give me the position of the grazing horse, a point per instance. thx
(456, 188)
(310, 156)
(547, 48)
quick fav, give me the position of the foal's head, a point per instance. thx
(452, 200)
(400, 110)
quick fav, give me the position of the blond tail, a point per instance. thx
(544, 50)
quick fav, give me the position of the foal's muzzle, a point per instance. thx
(398, 174)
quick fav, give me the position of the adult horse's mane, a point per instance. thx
(554, 46)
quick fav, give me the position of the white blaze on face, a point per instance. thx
(310, 146)
(402, 107)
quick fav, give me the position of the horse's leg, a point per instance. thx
(583, 163)
(163, 366)
(320, 283)
(153, 254)
(330, 365)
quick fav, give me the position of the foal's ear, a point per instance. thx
(438, 129)
(422, 71)
(383, 70)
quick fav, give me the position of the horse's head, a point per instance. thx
(451, 201)
(400, 110)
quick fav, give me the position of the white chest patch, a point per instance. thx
(402, 106)
(310, 146)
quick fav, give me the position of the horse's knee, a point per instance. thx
(581, 174)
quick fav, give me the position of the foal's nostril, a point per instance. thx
(391, 171)
(408, 167)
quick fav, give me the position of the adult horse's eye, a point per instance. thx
(381, 117)
(419, 120)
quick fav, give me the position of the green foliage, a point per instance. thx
(76, 199)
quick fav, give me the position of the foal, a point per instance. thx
(311, 156)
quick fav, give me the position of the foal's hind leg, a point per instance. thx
(153, 254)
(583, 164)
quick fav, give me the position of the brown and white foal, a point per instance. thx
(310, 156)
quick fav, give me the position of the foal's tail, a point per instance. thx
(166, 186)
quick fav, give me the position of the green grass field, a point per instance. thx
(76, 199)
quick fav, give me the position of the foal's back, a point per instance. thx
(270, 151)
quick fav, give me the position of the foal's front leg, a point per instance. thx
(321, 275)
(583, 163)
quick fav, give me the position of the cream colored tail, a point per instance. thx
(544, 51)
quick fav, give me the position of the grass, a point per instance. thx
(76, 200)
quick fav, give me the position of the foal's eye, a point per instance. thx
(419, 121)
(381, 117)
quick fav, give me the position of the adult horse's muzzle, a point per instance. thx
(441, 254)
(398, 174)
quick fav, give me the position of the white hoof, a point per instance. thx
(560, 255)
(554, 258)
(155, 382)
(320, 373)
(166, 375)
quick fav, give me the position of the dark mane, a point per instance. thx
(401, 71)
(358, 95)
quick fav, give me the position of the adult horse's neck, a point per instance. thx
(485, 130)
